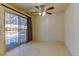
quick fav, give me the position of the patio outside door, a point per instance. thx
(15, 30)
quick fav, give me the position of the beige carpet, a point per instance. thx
(39, 49)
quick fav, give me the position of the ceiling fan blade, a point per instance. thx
(37, 7)
(34, 12)
(49, 13)
(42, 6)
(50, 8)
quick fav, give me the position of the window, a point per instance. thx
(15, 30)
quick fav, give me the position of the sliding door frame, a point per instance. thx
(4, 8)
(16, 13)
(19, 15)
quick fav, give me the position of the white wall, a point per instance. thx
(55, 27)
(48, 28)
(40, 28)
(71, 27)
(76, 40)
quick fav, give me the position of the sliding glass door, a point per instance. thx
(15, 30)
(23, 28)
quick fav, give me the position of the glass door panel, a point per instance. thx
(15, 30)
(23, 23)
(23, 36)
(23, 28)
(11, 30)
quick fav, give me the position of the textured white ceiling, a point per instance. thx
(29, 7)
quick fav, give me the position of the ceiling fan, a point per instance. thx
(42, 10)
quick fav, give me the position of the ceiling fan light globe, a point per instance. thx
(39, 13)
(43, 13)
